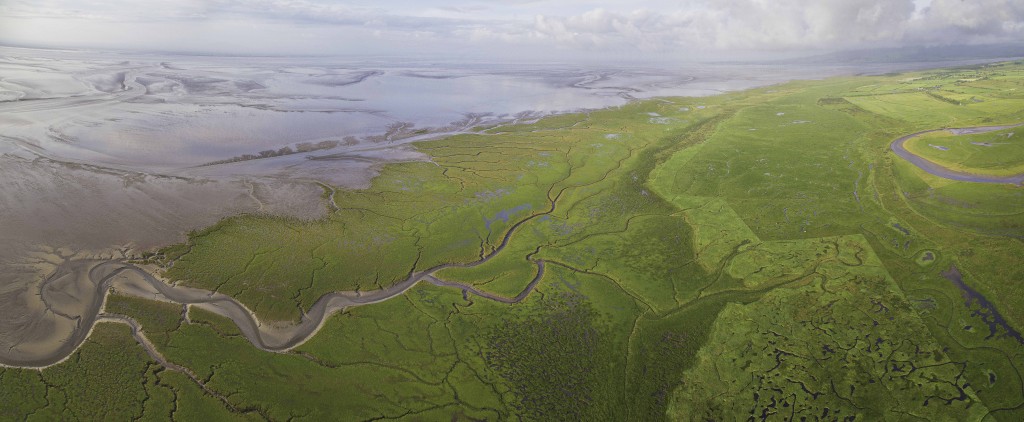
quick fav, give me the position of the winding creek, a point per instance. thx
(986, 309)
(933, 168)
(78, 289)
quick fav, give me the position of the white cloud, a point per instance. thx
(653, 26)
(791, 24)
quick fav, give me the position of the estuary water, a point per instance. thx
(104, 151)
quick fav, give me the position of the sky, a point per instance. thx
(634, 29)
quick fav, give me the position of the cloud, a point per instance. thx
(983, 20)
(791, 24)
(656, 27)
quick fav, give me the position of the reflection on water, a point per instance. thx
(106, 151)
(162, 113)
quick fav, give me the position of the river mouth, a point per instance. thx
(898, 147)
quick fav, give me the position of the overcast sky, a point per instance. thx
(677, 30)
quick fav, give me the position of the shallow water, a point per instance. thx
(103, 150)
(168, 113)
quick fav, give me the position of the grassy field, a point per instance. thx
(763, 255)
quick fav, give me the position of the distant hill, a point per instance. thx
(916, 54)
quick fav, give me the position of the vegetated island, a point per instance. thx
(760, 254)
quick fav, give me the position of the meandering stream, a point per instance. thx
(933, 168)
(92, 280)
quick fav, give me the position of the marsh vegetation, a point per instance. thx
(668, 262)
